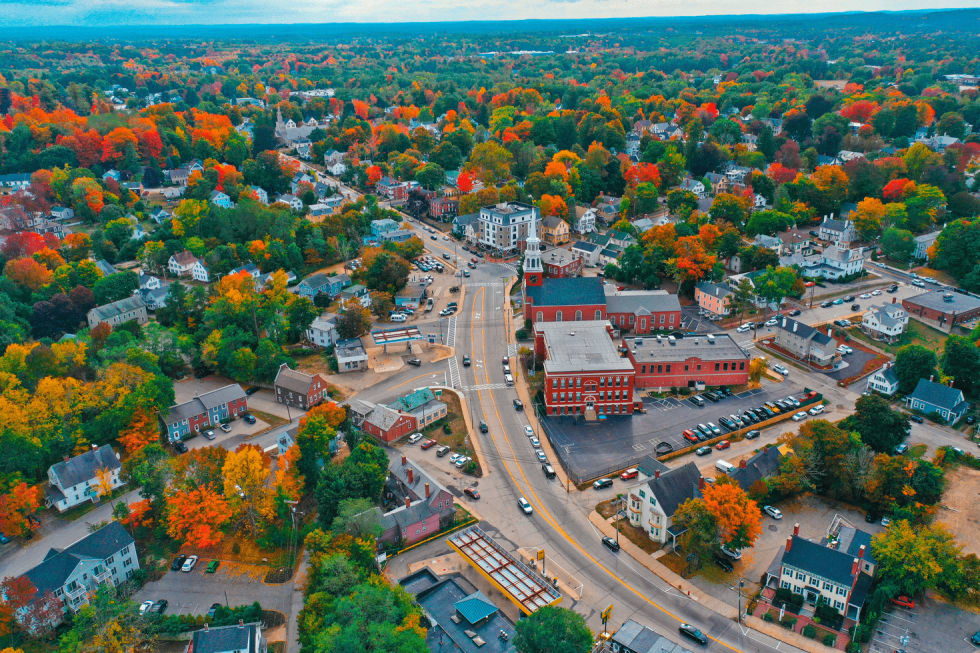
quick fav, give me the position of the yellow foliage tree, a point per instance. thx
(245, 473)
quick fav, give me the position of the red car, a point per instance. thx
(904, 601)
(689, 435)
(724, 444)
(472, 493)
(428, 444)
(630, 474)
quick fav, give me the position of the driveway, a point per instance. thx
(930, 626)
(592, 449)
(851, 364)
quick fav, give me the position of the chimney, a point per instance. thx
(861, 551)
(427, 491)
(742, 464)
(854, 567)
(65, 458)
(404, 460)
(95, 447)
(894, 300)
(789, 544)
(795, 324)
(656, 474)
(411, 476)
(205, 625)
(796, 528)
(408, 502)
(701, 483)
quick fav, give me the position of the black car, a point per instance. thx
(690, 631)
(725, 391)
(178, 562)
(180, 446)
(518, 404)
(417, 362)
(442, 451)
(466, 361)
(213, 610)
(795, 312)
(610, 543)
(855, 307)
(826, 304)
(159, 607)
(749, 418)
(892, 288)
(849, 298)
(972, 419)
(724, 563)
(548, 470)
(249, 418)
(751, 435)
(602, 483)
(916, 418)
(251, 390)
(727, 423)
(712, 396)
(483, 427)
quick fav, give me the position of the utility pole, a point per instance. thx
(741, 584)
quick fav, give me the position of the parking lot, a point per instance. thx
(591, 449)
(929, 626)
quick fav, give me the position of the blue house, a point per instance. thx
(930, 397)
(383, 226)
(220, 199)
(320, 283)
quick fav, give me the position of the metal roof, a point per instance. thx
(517, 581)
(389, 336)
(720, 346)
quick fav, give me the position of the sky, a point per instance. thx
(223, 12)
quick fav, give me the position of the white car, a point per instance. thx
(793, 400)
(772, 511)
(875, 292)
(145, 605)
(462, 460)
(414, 437)
(524, 505)
(844, 350)
(528, 431)
(731, 553)
(865, 295)
(743, 329)
(782, 370)
(799, 417)
(816, 410)
(454, 457)
(918, 283)
(189, 563)
(771, 322)
(535, 442)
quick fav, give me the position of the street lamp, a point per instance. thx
(741, 584)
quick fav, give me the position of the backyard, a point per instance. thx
(916, 333)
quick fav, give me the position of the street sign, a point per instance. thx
(540, 554)
(607, 613)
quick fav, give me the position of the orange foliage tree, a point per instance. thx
(465, 181)
(691, 260)
(373, 174)
(738, 517)
(643, 172)
(141, 431)
(16, 504)
(28, 273)
(897, 189)
(553, 205)
(360, 108)
(780, 173)
(196, 516)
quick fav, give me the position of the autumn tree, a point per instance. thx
(316, 429)
(354, 320)
(699, 528)
(196, 516)
(141, 431)
(490, 161)
(245, 473)
(738, 517)
(201, 466)
(916, 559)
(757, 368)
(869, 217)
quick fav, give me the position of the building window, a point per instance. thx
(717, 365)
(578, 316)
(598, 314)
(558, 316)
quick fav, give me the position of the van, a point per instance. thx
(724, 466)
(548, 470)
(508, 379)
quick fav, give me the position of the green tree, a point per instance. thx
(358, 517)
(774, 284)
(353, 320)
(742, 298)
(961, 360)
(880, 427)
(916, 559)
(431, 176)
(149, 470)
(898, 244)
(914, 362)
(701, 534)
(491, 162)
(115, 287)
(553, 630)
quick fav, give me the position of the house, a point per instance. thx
(561, 262)
(467, 226)
(206, 410)
(587, 251)
(713, 298)
(804, 342)
(179, 176)
(839, 232)
(837, 572)
(757, 468)
(884, 381)
(621, 239)
(160, 216)
(922, 244)
(933, 398)
(351, 355)
(687, 361)
(421, 405)
(504, 227)
(384, 423)
(260, 194)
(319, 210)
(651, 505)
(694, 186)
(834, 263)
(412, 295)
(554, 230)
(322, 332)
(105, 267)
(298, 389)
(319, 283)
(442, 207)
(73, 574)
(219, 198)
(288, 132)
(642, 311)
(199, 272)
(181, 264)
(609, 255)
(584, 220)
(356, 292)
(293, 202)
(775, 243)
(943, 306)
(117, 312)
(237, 638)
(887, 322)
(82, 478)
(424, 506)
(16, 180)
(337, 169)
(62, 213)
(396, 236)
(633, 637)
(382, 226)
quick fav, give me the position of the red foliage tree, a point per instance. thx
(897, 189)
(643, 172)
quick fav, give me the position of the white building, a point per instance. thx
(181, 264)
(504, 226)
(886, 322)
(291, 201)
(199, 272)
(884, 381)
(922, 244)
(651, 504)
(323, 331)
(839, 232)
(79, 479)
(585, 223)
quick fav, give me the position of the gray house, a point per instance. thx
(124, 310)
(76, 480)
(804, 342)
(238, 638)
(931, 398)
(319, 283)
(107, 556)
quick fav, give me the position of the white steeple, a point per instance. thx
(532, 249)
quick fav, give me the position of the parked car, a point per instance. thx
(178, 562)
(848, 298)
(602, 483)
(782, 370)
(249, 418)
(528, 431)
(189, 564)
(916, 418)
(799, 417)
(417, 362)
(541, 457)
(144, 606)
(724, 444)
(903, 601)
(826, 304)
(795, 312)
(159, 607)
(838, 301)
(549, 471)
(772, 511)
(693, 633)
(816, 410)
(901, 449)
(209, 435)
(743, 328)
(724, 563)
(630, 474)
(213, 610)
(610, 543)
(703, 451)
(442, 451)
(714, 428)
(705, 431)
(212, 566)
(180, 446)
(663, 447)
(461, 461)
(472, 493)
(771, 322)
(731, 553)
(415, 437)
(892, 288)
(534, 442)
(428, 444)
(696, 400)
(456, 456)
(751, 435)
(690, 436)
(855, 307)
(518, 404)
(524, 505)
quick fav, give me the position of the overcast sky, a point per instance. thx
(205, 12)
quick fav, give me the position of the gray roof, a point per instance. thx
(58, 564)
(834, 225)
(416, 489)
(227, 638)
(850, 540)
(82, 468)
(585, 246)
(638, 301)
(635, 637)
(716, 289)
(676, 486)
(105, 267)
(350, 348)
(888, 374)
(580, 346)
(204, 402)
(315, 281)
(937, 300)
(723, 348)
(568, 291)
(937, 394)
(125, 305)
(802, 330)
(886, 314)
(509, 211)
(763, 464)
(820, 560)
(382, 417)
(559, 256)
(293, 380)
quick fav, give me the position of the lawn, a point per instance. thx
(270, 419)
(916, 333)
(637, 536)
(457, 438)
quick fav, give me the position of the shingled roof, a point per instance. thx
(569, 291)
(293, 380)
(58, 564)
(82, 468)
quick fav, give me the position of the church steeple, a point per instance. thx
(533, 272)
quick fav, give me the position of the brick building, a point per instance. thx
(944, 306)
(584, 374)
(669, 362)
(298, 389)
(204, 411)
(561, 262)
(643, 311)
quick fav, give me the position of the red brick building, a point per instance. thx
(561, 262)
(424, 507)
(298, 389)
(443, 207)
(944, 306)
(668, 362)
(642, 311)
(388, 424)
(584, 374)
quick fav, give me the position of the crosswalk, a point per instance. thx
(484, 386)
(451, 335)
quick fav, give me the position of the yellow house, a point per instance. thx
(554, 230)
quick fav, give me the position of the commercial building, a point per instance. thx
(504, 227)
(561, 262)
(584, 374)
(679, 362)
(943, 306)
(634, 637)
(351, 355)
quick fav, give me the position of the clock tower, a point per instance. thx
(533, 272)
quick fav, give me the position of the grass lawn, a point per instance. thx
(272, 420)
(637, 536)
(916, 333)
(457, 439)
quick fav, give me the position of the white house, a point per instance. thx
(337, 169)
(884, 381)
(651, 504)
(199, 272)
(922, 244)
(292, 201)
(77, 480)
(588, 252)
(695, 186)
(839, 232)
(323, 331)
(260, 194)
(181, 264)
(886, 322)
(585, 223)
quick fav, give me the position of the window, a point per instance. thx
(540, 316)
(643, 494)
(717, 365)
(109, 560)
(602, 382)
(827, 585)
(558, 316)
(801, 576)
(598, 314)
(578, 316)
(784, 584)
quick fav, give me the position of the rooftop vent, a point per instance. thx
(948, 297)
(571, 333)
(711, 338)
(639, 342)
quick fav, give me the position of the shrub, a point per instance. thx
(446, 429)
(809, 631)
(788, 622)
(521, 334)
(829, 639)
(862, 633)
(768, 617)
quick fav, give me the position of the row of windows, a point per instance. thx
(817, 582)
(838, 604)
(613, 394)
(617, 381)
(615, 409)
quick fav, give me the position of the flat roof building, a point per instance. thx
(943, 306)
(676, 362)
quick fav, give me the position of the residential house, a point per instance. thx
(152, 291)
(831, 571)
(396, 236)
(884, 381)
(834, 263)
(422, 405)
(933, 398)
(337, 169)
(587, 251)
(117, 312)
(504, 227)
(219, 198)
(694, 186)
(713, 298)
(887, 322)
(105, 267)
(561, 262)
(839, 232)
(320, 283)
(331, 157)
(351, 355)
(442, 207)
(160, 216)
(356, 292)
(775, 243)
(322, 332)
(199, 272)
(384, 423)
(805, 343)
(204, 411)
(554, 230)
(467, 226)
(621, 239)
(182, 263)
(260, 194)
(922, 244)
(383, 226)
(609, 255)
(62, 213)
(15, 181)
(179, 176)
(584, 220)
(236, 638)
(633, 637)
(757, 468)
(651, 504)
(298, 389)
(106, 556)
(424, 506)
(293, 202)
(83, 478)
